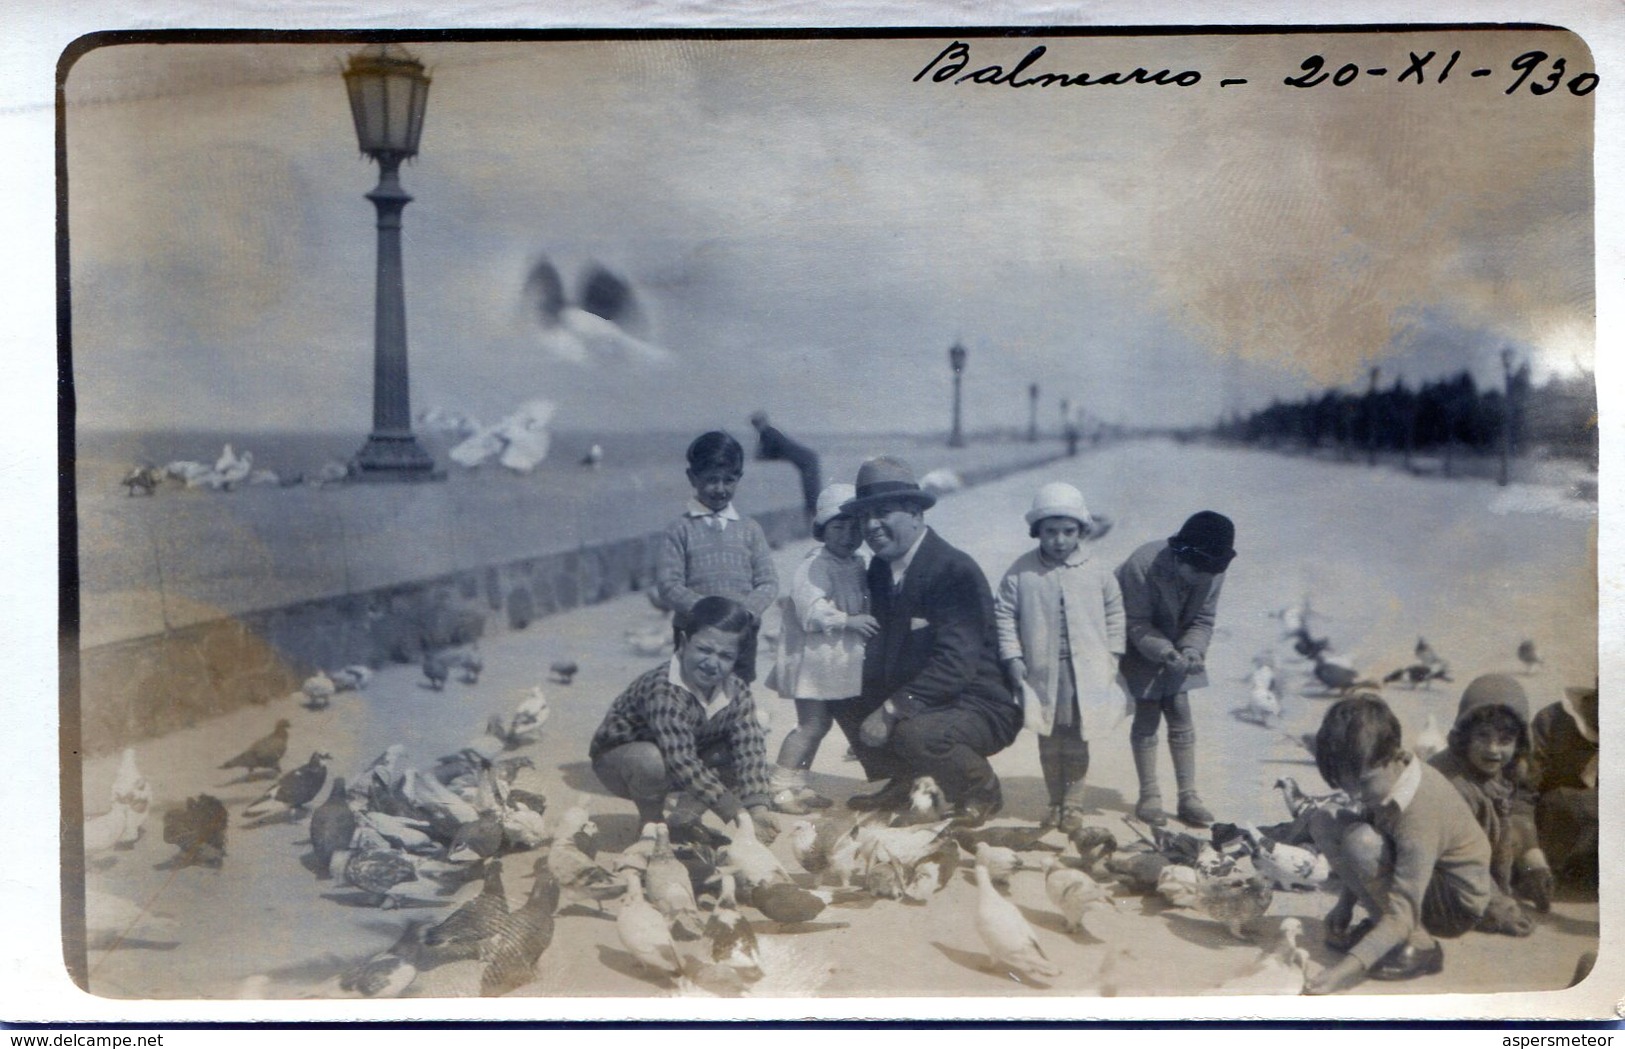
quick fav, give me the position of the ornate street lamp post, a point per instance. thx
(956, 360)
(388, 92)
(1032, 413)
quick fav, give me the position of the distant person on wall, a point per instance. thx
(711, 550)
(772, 444)
(935, 701)
(1170, 598)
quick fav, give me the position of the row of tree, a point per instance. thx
(1557, 418)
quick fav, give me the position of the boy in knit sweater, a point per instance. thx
(712, 551)
(1410, 853)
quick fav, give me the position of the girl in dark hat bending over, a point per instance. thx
(1170, 597)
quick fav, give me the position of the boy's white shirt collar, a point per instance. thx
(719, 695)
(699, 509)
(899, 567)
(1405, 786)
(1077, 557)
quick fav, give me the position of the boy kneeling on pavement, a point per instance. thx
(1409, 853)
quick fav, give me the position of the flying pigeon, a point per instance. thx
(1527, 656)
(595, 325)
(1423, 674)
(264, 753)
(1308, 646)
(1012, 946)
(594, 457)
(332, 826)
(564, 671)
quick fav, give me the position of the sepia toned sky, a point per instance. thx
(808, 228)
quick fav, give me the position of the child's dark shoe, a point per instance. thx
(1503, 915)
(1342, 938)
(1193, 812)
(1052, 818)
(1536, 884)
(1149, 810)
(1407, 962)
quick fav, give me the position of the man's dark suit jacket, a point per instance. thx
(938, 646)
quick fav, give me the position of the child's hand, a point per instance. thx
(863, 624)
(1173, 659)
(876, 728)
(1344, 974)
(1015, 671)
(1194, 661)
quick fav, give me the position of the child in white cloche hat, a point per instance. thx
(1060, 620)
(820, 650)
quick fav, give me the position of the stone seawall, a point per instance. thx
(138, 687)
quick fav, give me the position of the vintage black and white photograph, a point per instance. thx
(916, 514)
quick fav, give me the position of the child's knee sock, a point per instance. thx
(1075, 768)
(1182, 747)
(1051, 759)
(1145, 764)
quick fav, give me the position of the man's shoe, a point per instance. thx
(1149, 810)
(1342, 938)
(892, 796)
(1193, 812)
(1406, 962)
(974, 813)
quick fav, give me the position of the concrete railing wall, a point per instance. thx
(218, 600)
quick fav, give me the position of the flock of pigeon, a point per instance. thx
(230, 472)
(689, 912)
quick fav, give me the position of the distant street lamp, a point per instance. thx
(1506, 417)
(956, 360)
(388, 92)
(1032, 413)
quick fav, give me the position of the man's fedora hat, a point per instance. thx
(887, 479)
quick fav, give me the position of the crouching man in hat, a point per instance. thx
(934, 701)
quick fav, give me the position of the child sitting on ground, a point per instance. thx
(1059, 613)
(713, 551)
(1410, 853)
(1485, 761)
(1563, 772)
(820, 652)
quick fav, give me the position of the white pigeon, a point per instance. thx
(232, 473)
(1430, 740)
(526, 721)
(1281, 968)
(192, 473)
(1001, 862)
(1263, 701)
(1012, 945)
(908, 845)
(268, 478)
(522, 827)
(927, 801)
(352, 678)
(669, 887)
(118, 826)
(753, 862)
(1286, 866)
(318, 690)
(941, 481)
(828, 849)
(642, 930)
(130, 786)
(1072, 891)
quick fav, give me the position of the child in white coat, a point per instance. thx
(1060, 620)
(820, 651)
